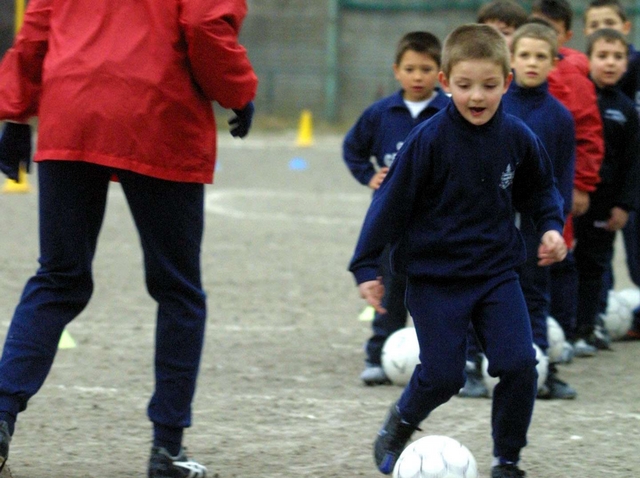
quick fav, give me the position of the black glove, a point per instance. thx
(15, 148)
(241, 123)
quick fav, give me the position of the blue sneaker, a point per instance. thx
(391, 440)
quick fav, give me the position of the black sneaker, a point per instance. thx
(5, 439)
(507, 471)
(391, 440)
(163, 465)
(600, 339)
(554, 388)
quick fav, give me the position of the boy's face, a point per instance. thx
(608, 62)
(417, 74)
(564, 35)
(597, 18)
(506, 30)
(532, 61)
(476, 88)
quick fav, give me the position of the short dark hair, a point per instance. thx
(507, 11)
(556, 10)
(607, 34)
(421, 42)
(615, 5)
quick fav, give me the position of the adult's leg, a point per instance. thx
(72, 199)
(169, 217)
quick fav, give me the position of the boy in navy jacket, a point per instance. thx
(611, 14)
(534, 52)
(617, 193)
(379, 133)
(447, 206)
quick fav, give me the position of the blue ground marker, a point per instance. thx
(297, 164)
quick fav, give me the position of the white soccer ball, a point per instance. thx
(400, 355)
(436, 456)
(542, 367)
(556, 339)
(630, 296)
(618, 317)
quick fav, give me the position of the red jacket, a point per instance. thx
(569, 83)
(128, 84)
(572, 87)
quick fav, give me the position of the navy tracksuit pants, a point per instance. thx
(442, 311)
(169, 217)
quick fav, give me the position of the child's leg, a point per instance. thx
(593, 253)
(441, 312)
(504, 329)
(631, 234)
(564, 294)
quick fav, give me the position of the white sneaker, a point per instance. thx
(582, 349)
(374, 375)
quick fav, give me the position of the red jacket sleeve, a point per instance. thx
(21, 66)
(219, 64)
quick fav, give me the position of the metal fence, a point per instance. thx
(334, 57)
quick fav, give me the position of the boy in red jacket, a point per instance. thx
(569, 83)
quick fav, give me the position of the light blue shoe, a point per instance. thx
(374, 375)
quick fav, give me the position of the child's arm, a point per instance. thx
(627, 173)
(357, 150)
(552, 248)
(389, 213)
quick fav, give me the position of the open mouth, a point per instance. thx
(476, 110)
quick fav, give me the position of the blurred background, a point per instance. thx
(334, 57)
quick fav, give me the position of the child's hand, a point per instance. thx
(373, 291)
(580, 202)
(552, 248)
(377, 178)
(617, 220)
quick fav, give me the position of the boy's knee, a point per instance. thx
(513, 365)
(447, 384)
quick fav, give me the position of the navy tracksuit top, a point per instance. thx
(450, 197)
(619, 172)
(554, 125)
(380, 132)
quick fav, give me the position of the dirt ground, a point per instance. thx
(279, 394)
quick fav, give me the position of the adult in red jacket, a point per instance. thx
(121, 88)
